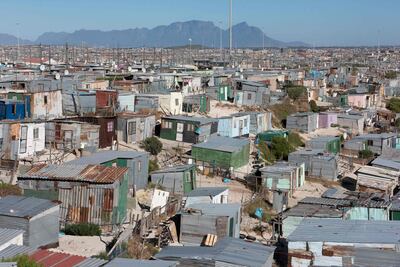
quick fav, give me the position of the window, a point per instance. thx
(245, 122)
(14, 109)
(1, 143)
(36, 133)
(132, 128)
(110, 126)
(190, 127)
(176, 102)
(167, 124)
(139, 164)
(370, 142)
(235, 124)
(188, 180)
(45, 99)
(22, 141)
(248, 96)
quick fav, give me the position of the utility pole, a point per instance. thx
(220, 38)
(230, 28)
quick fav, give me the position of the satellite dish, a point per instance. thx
(42, 68)
(151, 79)
(130, 69)
(66, 72)
(144, 70)
(57, 76)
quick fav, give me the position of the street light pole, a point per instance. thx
(220, 38)
(190, 50)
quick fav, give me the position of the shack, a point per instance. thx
(327, 143)
(107, 133)
(251, 93)
(134, 128)
(375, 179)
(378, 142)
(259, 121)
(236, 125)
(12, 109)
(106, 102)
(188, 129)
(282, 180)
(354, 123)
(38, 218)
(318, 163)
(216, 195)
(176, 180)
(196, 103)
(335, 242)
(326, 119)
(232, 252)
(70, 134)
(305, 122)
(199, 220)
(136, 162)
(88, 193)
(222, 152)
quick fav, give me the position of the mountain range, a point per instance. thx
(202, 33)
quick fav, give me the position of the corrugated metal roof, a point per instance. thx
(326, 201)
(55, 259)
(91, 262)
(8, 234)
(104, 156)
(347, 231)
(221, 143)
(84, 173)
(206, 191)
(311, 210)
(227, 250)
(386, 163)
(121, 262)
(14, 250)
(24, 207)
(189, 118)
(180, 168)
(376, 257)
(229, 209)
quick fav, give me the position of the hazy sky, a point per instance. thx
(319, 22)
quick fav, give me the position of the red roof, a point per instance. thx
(55, 259)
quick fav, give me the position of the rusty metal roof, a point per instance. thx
(84, 173)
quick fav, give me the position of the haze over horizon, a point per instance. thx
(319, 23)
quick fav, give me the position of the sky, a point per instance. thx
(317, 22)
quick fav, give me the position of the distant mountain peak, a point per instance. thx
(204, 33)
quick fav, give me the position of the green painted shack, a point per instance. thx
(395, 208)
(222, 152)
(224, 93)
(187, 129)
(87, 193)
(177, 179)
(327, 143)
(268, 135)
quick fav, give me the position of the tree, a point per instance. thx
(394, 105)
(152, 145)
(391, 74)
(280, 147)
(313, 106)
(153, 165)
(82, 229)
(365, 154)
(295, 92)
(265, 152)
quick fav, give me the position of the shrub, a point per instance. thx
(280, 147)
(9, 189)
(250, 209)
(394, 105)
(295, 140)
(391, 74)
(23, 261)
(152, 145)
(265, 152)
(296, 92)
(397, 123)
(365, 154)
(313, 106)
(82, 229)
(153, 165)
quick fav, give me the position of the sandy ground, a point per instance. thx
(309, 189)
(218, 109)
(332, 131)
(86, 246)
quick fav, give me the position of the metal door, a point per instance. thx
(179, 131)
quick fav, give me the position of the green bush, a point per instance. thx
(397, 123)
(280, 147)
(9, 189)
(391, 74)
(153, 165)
(152, 145)
(250, 209)
(265, 152)
(394, 105)
(295, 92)
(23, 261)
(365, 154)
(82, 229)
(295, 140)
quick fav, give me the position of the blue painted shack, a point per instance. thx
(234, 126)
(12, 109)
